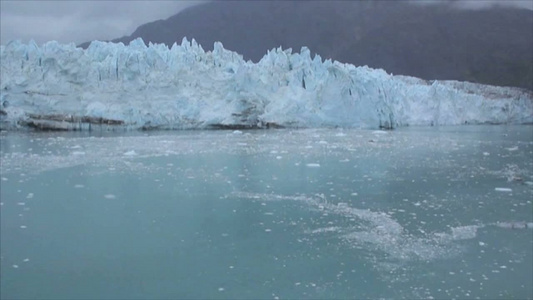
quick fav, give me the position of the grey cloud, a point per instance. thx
(79, 21)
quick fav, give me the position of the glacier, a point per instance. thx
(109, 86)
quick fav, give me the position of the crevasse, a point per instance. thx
(111, 85)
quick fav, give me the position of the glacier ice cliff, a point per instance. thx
(108, 85)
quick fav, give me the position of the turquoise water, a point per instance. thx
(326, 213)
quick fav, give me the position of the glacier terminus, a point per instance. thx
(112, 86)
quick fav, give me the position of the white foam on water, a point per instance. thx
(325, 230)
(464, 232)
(110, 196)
(79, 186)
(313, 165)
(514, 225)
(378, 231)
(505, 190)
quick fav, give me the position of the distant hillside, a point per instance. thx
(491, 46)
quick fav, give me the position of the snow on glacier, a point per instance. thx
(183, 87)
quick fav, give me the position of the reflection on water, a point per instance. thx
(327, 213)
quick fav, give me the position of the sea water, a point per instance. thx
(268, 214)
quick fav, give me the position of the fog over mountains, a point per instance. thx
(491, 46)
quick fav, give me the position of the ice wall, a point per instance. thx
(137, 86)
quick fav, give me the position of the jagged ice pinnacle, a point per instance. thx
(137, 86)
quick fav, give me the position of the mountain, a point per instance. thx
(491, 46)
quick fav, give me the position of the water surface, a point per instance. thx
(316, 213)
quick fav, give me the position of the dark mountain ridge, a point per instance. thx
(491, 46)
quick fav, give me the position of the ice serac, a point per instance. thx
(61, 87)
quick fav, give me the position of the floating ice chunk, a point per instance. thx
(486, 153)
(379, 132)
(130, 153)
(268, 230)
(15, 266)
(78, 153)
(29, 196)
(21, 203)
(26, 260)
(237, 132)
(512, 148)
(499, 189)
(313, 165)
(4, 179)
(23, 226)
(220, 289)
(110, 196)
(79, 186)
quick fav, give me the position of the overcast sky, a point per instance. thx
(69, 21)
